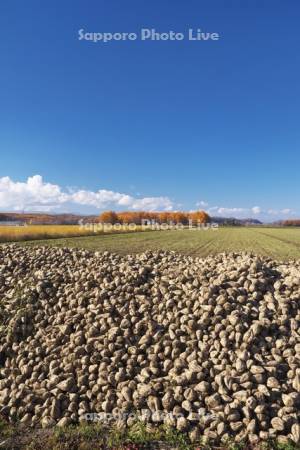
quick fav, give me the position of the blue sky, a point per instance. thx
(150, 124)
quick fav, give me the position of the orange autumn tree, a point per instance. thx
(130, 217)
(108, 217)
(199, 217)
(163, 217)
(125, 217)
(179, 217)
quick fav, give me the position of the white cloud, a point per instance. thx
(286, 211)
(276, 212)
(37, 195)
(103, 198)
(225, 211)
(34, 192)
(256, 210)
(202, 203)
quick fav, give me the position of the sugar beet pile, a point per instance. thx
(209, 346)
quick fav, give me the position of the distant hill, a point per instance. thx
(45, 219)
(251, 221)
(232, 221)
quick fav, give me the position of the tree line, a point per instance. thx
(139, 217)
(291, 223)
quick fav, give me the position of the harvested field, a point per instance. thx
(278, 243)
(208, 347)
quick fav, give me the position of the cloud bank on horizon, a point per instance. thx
(255, 211)
(37, 195)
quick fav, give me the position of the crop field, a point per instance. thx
(279, 243)
(21, 233)
(32, 232)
